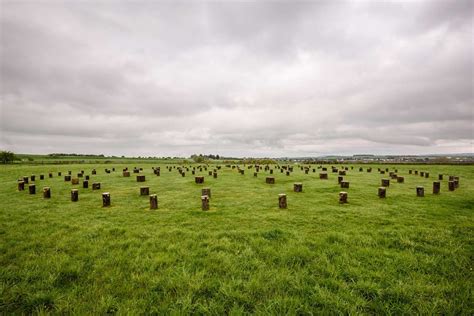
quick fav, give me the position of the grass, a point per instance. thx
(399, 255)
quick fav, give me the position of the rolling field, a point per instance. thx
(398, 255)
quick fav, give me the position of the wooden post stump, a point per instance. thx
(344, 184)
(41, 176)
(210, 173)
(436, 187)
(206, 191)
(199, 180)
(141, 178)
(323, 176)
(32, 177)
(400, 179)
(270, 180)
(80, 175)
(271, 171)
(410, 171)
(105, 199)
(50, 175)
(46, 193)
(85, 184)
(282, 201)
(126, 173)
(67, 178)
(427, 174)
(74, 195)
(440, 177)
(385, 182)
(26, 180)
(94, 171)
(32, 188)
(21, 185)
(214, 175)
(255, 174)
(422, 173)
(96, 186)
(342, 172)
(144, 191)
(87, 177)
(420, 191)
(340, 179)
(59, 173)
(75, 181)
(298, 187)
(69, 172)
(382, 192)
(456, 182)
(205, 202)
(451, 186)
(342, 197)
(153, 202)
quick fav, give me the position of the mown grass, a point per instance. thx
(399, 255)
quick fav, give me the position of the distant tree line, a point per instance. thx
(53, 155)
(259, 161)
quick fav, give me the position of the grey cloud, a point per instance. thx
(239, 78)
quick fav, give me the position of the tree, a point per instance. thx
(6, 157)
(198, 159)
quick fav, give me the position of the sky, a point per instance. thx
(240, 79)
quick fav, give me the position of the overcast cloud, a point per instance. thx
(237, 78)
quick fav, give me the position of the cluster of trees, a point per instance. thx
(202, 158)
(7, 157)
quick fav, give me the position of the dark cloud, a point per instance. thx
(238, 78)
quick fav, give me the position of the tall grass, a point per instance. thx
(399, 255)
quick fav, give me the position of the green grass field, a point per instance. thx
(399, 255)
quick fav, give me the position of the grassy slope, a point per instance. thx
(399, 255)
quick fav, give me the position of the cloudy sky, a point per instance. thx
(240, 78)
